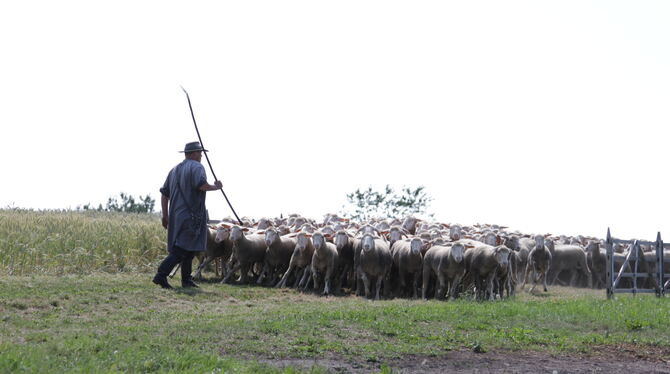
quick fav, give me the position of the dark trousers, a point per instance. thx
(177, 256)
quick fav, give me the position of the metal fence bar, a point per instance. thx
(638, 275)
(636, 250)
(660, 267)
(633, 290)
(609, 268)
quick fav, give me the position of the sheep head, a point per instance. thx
(341, 239)
(318, 240)
(237, 232)
(416, 245)
(458, 252)
(271, 236)
(222, 233)
(501, 254)
(455, 232)
(302, 241)
(368, 242)
(512, 242)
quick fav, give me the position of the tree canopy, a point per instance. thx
(368, 203)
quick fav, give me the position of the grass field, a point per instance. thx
(104, 320)
(70, 242)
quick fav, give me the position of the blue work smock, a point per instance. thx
(187, 223)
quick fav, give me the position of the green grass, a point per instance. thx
(125, 323)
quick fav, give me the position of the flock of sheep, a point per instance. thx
(398, 258)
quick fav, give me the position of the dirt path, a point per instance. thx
(493, 362)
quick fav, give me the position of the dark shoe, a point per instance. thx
(189, 284)
(161, 281)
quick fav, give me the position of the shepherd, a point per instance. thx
(184, 215)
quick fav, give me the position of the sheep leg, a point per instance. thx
(344, 275)
(366, 283)
(402, 274)
(326, 281)
(306, 276)
(264, 272)
(201, 265)
(573, 277)
(316, 280)
(478, 286)
(536, 275)
(379, 286)
(415, 284)
(360, 285)
(244, 273)
(525, 277)
(426, 279)
(453, 289)
(489, 286)
(232, 271)
(282, 282)
(544, 280)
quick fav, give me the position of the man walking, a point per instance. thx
(186, 218)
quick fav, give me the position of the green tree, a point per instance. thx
(368, 203)
(126, 203)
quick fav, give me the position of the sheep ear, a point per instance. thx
(469, 246)
(245, 229)
(328, 236)
(384, 232)
(262, 232)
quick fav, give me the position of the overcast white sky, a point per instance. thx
(547, 117)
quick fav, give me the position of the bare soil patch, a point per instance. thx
(618, 359)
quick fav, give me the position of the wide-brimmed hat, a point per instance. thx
(193, 147)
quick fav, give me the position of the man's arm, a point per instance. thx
(211, 187)
(164, 207)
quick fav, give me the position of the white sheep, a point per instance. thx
(324, 262)
(446, 264)
(247, 251)
(407, 261)
(539, 263)
(374, 263)
(301, 260)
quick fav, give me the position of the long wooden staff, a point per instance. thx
(207, 157)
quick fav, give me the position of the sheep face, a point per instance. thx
(458, 252)
(455, 232)
(415, 245)
(368, 242)
(236, 233)
(318, 240)
(502, 255)
(301, 242)
(271, 236)
(539, 241)
(512, 243)
(222, 233)
(490, 239)
(395, 235)
(341, 239)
